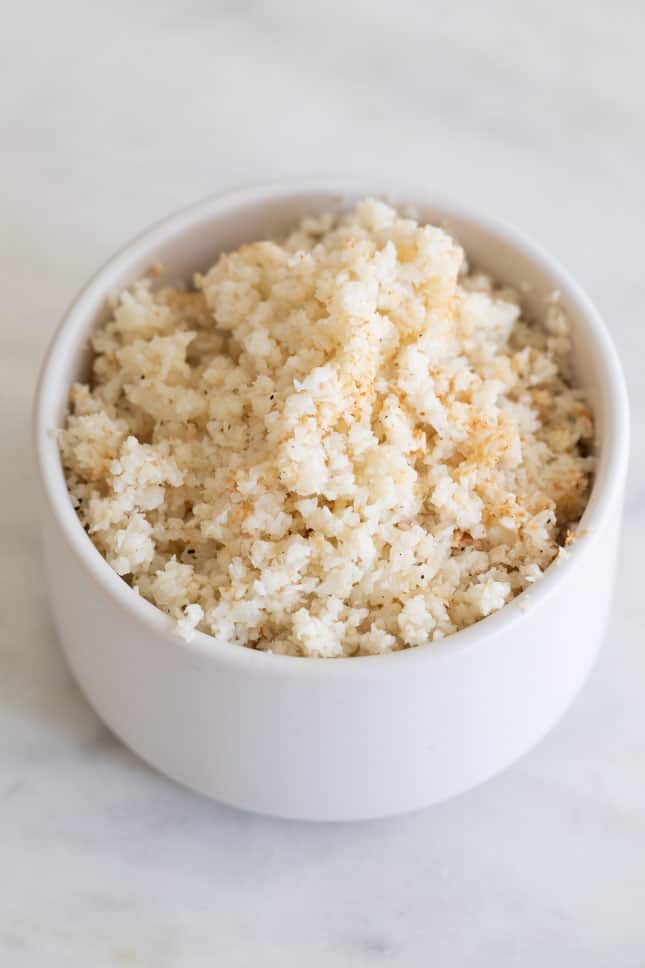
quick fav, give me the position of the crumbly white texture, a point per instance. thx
(338, 444)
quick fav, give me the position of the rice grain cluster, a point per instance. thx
(342, 443)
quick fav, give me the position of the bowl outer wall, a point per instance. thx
(320, 739)
(326, 748)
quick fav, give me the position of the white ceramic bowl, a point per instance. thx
(318, 738)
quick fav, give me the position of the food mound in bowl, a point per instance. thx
(340, 443)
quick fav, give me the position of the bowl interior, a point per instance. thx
(191, 241)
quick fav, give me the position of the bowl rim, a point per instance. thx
(606, 487)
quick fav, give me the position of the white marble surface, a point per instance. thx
(113, 114)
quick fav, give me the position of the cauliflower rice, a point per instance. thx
(343, 443)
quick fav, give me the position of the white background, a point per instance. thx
(112, 115)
